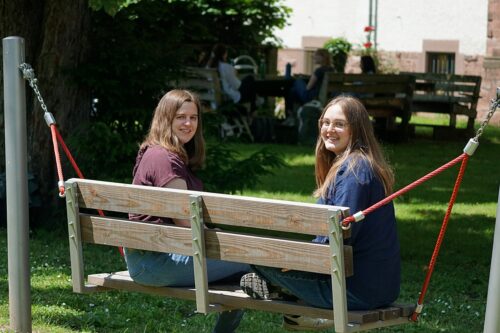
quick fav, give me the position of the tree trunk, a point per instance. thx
(56, 39)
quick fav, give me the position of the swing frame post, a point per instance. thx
(17, 185)
(492, 320)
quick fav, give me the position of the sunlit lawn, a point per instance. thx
(455, 301)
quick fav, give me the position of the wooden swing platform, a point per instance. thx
(253, 221)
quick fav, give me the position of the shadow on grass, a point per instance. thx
(468, 238)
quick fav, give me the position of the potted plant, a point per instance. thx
(339, 48)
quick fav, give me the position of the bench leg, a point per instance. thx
(75, 243)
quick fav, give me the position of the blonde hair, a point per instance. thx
(362, 146)
(161, 133)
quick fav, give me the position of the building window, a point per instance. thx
(438, 62)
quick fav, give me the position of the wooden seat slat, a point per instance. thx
(266, 251)
(233, 297)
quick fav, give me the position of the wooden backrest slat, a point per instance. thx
(381, 88)
(367, 78)
(444, 77)
(229, 246)
(195, 83)
(224, 209)
(436, 84)
(441, 98)
(363, 85)
(204, 81)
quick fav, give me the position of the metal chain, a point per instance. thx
(29, 74)
(493, 106)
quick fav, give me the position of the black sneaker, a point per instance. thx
(258, 288)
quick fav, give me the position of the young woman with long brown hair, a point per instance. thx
(173, 149)
(350, 171)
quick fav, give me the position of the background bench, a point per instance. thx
(253, 218)
(387, 98)
(203, 81)
(447, 94)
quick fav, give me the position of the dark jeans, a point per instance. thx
(298, 94)
(248, 91)
(313, 288)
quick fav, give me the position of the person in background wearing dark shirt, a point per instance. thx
(367, 65)
(302, 92)
(350, 171)
(172, 150)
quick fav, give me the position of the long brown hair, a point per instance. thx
(160, 132)
(362, 145)
(217, 55)
(325, 56)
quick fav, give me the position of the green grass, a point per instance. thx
(455, 301)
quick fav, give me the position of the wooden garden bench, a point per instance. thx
(254, 219)
(387, 97)
(447, 94)
(205, 82)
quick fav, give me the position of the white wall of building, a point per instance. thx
(402, 24)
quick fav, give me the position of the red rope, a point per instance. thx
(464, 158)
(440, 237)
(68, 154)
(57, 135)
(53, 131)
(350, 219)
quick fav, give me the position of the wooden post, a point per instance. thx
(338, 273)
(199, 254)
(492, 319)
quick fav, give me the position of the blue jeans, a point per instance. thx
(159, 269)
(313, 288)
(300, 92)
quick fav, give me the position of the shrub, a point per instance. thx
(339, 48)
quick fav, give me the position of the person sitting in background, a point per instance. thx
(302, 92)
(367, 65)
(239, 91)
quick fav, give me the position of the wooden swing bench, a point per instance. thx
(254, 218)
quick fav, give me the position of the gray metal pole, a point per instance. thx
(492, 319)
(370, 13)
(17, 185)
(375, 23)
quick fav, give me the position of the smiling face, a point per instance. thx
(335, 131)
(185, 122)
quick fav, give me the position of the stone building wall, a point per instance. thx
(491, 63)
(485, 65)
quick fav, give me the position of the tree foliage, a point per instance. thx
(145, 43)
(137, 50)
(121, 53)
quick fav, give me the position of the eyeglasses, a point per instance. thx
(338, 125)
